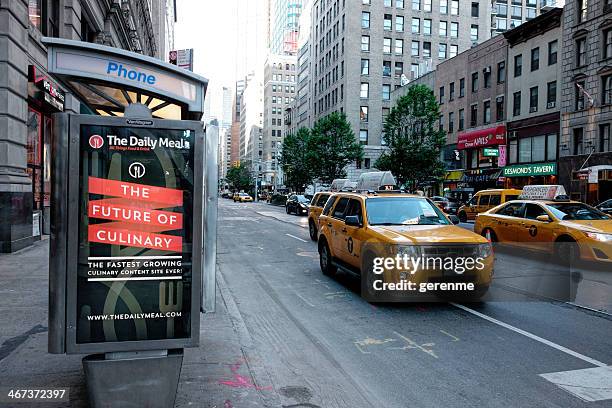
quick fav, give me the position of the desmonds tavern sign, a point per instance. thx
(522, 170)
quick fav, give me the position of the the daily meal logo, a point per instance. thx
(144, 143)
(96, 141)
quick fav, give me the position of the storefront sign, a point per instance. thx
(523, 170)
(480, 176)
(48, 91)
(480, 138)
(501, 161)
(490, 152)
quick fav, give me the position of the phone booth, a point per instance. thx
(133, 221)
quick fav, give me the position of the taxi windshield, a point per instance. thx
(403, 211)
(576, 211)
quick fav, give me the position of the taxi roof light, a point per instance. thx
(544, 192)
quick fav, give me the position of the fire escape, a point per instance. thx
(135, 22)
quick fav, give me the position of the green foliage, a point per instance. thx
(332, 147)
(413, 138)
(239, 177)
(295, 160)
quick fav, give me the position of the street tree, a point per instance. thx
(239, 177)
(413, 138)
(295, 160)
(332, 147)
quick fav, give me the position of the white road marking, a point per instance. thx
(299, 239)
(532, 336)
(589, 384)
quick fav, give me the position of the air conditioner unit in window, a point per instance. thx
(550, 105)
(533, 109)
(487, 70)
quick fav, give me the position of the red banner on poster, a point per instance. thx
(168, 196)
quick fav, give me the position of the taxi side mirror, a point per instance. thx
(352, 221)
(454, 219)
(543, 218)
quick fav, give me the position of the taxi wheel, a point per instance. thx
(325, 260)
(312, 229)
(462, 216)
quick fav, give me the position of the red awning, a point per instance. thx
(483, 137)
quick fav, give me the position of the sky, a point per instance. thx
(209, 27)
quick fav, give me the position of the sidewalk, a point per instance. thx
(220, 373)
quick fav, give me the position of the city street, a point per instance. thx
(313, 341)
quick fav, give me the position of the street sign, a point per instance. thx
(134, 234)
(490, 152)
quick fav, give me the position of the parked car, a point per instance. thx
(316, 208)
(297, 204)
(605, 207)
(448, 205)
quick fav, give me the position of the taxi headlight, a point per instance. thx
(484, 250)
(411, 251)
(599, 236)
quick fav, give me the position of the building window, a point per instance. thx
(365, 90)
(579, 95)
(462, 87)
(365, 67)
(399, 69)
(530, 13)
(416, 5)
(518, 65)
(427, 5)
(552, 52)
(499, 108)
(399, 46)
(461, 119)
(517, 12)
(454, 31)
(441, 100)
(414, 71)
(501, 23)
(486, 74)
(385, 113)
(607, 43)
(442, 51)
(604, 138)
(475, 9)
(474, 32)
(451, 91)
(443, 6)
(426, 26)
(414, 48)
(399, 23)
(577, 141)
(426, 49)
(366, 163)
(399, 4)
(473, 115)
(474, 81)
(486, 112)
(501, 72)
(387, 22)
(415, 25)
(387, 68)
(606, 89)
(454, 7)
(533, 99)
(365, 19)
(454, 49)
(441, 123)
(387, 3)
(581, 52)
(363, 113)
(502, 10)
(582, 10)
(535, 59)
(451, 122)
(363, 137)
(35, 13)
(387, 45)
(551, 94)
(516, 104)
(365, 43)
(386, 92)
(443, 29)
(551, 146)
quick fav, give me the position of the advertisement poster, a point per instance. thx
(135, 235)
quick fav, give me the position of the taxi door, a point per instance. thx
(353, 236)
(335, 223)
(471, 207)
(506, 222)
(533, 233)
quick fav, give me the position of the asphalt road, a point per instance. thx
(311, 341)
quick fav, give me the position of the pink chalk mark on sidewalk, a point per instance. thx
(240, 381)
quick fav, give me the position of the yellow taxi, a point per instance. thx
(314, 211)
(242, 197)
(356, 228)
(485, 200)
(544, 219)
